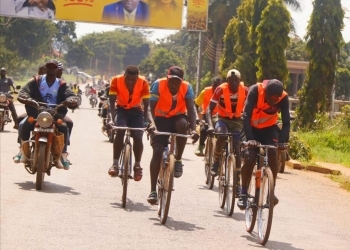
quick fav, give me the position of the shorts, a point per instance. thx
(266, 136)
(233, 125)
(132, 118)
(165, 124)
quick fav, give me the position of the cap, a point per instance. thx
(2, 69)
(234, 72)
(274, 88)
(175, 72)
(52, 62)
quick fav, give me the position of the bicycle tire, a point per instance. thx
(125, 176)
(160, 183)
(208, 161)
(251, 211)
(168, 187)
(267, 184)
(222, 182)
(229, 185)
(40, 174)
(233, 167)
(281, 161)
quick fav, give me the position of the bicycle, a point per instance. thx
(260, 195)
(208, 160)
(126, 160)
(165, 181)
(228, 168)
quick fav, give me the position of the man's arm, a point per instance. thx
(284, 105)
(145, 109)
(198, 102)
(12, 84)
(251, 102)
(153, 104)
(111, 112)
(191, 113)
(208, 113)
(25, 91)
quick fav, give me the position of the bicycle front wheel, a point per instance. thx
(168, 181)
(266, 205)
(251, 209)
(222, 182)
(232, 185)
(125, 174)
(209, 151)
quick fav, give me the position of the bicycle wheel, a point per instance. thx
(40, 174)
(160, 183)
(250, 211)
(222, 181)
(232, 188)
(281, 161)
(266, 204)
(125, 176)
(167, 188)
(209, 151)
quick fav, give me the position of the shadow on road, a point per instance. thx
(235, 216)
(48, 188)
(177, 225)
(132, 206)
(273, 245)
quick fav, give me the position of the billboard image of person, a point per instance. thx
(43, 9)
(166, 12)
(130, 12)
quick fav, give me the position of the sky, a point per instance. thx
(301, 19)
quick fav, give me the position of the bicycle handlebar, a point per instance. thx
(173, 134)
(258, 146)
(128, 128)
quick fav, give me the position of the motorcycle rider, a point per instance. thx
(50, 89)
(5, 84)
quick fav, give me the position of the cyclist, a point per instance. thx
(260, 116)
(229, 98)
(170, 98)
(203, 101)
(128, 91)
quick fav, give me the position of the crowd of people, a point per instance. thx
(168, 105)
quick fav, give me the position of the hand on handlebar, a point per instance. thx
(195, 136)
(210, 131)
(282, 146)
(253, 143)
(151, 128)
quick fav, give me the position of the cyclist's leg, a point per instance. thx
(181, 127)
(220, 127)
(136, 121)
(13, 113)
(202, 138)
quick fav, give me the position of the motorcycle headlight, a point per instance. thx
(2, 98)
(44, 119)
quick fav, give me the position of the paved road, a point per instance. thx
(81, 208)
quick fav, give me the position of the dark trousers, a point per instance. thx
(13, 111)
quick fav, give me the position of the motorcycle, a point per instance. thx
(46, 143)
(79, 101)
(106, 128)
(93, 100)
(4, 109)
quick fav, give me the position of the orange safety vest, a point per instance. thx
(208, 94)
(259, 118)
(227, 110)
(165, 100)
(123, 95)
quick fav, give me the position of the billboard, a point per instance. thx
(141, 13)
(197, 14)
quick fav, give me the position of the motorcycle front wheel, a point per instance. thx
(40, 174)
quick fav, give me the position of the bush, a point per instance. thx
(346, 113)
(298, 149)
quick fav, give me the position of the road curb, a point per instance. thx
(298, 165)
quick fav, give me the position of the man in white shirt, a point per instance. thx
(130, 12)
(43, 9)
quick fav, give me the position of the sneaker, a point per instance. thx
(178, 169)
(276, 200)
(17, 158)
(153, 198)
(199, 151)
(137, 173)
(15, 126)
(215, 168)
(65, 161)
(113, 171)
(238, 190)
(242, 201)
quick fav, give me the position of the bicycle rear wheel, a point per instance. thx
(281, 161)
(230, 190)
(251, 210)
(209, 151)
(125, 176)
(222, 181)
(266, 205)
(167, 189)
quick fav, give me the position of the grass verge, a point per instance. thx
(343, 181)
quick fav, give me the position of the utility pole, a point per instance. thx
(199, 62)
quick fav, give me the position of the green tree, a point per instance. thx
(324, 40)
(296, 50)
(79, 54)
(64, 36)
(272, 41)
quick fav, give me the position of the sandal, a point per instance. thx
(137, 173)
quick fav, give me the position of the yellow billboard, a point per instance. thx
(141, 13)
(197, 14)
